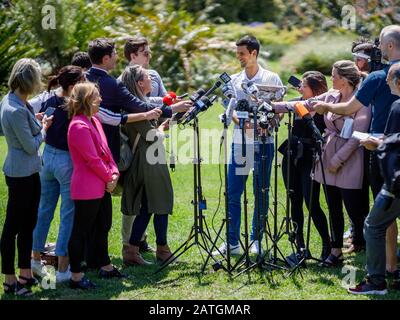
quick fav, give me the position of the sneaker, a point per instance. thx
(39, 269)
(347, 234)
(254, 247)
(63, 276)
(367, 287)
(235, 250)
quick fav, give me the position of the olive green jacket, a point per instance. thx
(148, 174)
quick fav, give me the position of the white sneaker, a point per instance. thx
(235, 250)
(254, 247)
(63, 276)
(39, 269)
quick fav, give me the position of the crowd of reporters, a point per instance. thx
(82, 114)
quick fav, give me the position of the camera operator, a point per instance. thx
(374, 91)
(362, 51)
(247, 50)
(302, 146)
(383, 213)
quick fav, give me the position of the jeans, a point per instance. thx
(237, 177)
(385, 210)
(21, 216)
(55, 178)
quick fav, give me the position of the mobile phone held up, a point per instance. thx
(295, 82)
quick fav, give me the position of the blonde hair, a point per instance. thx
(81, 99)
(25, 76)
(347, 69)
(130, 78)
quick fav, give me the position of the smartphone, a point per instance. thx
(49, 111)
(295, 82)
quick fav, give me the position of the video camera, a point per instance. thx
(376, 57)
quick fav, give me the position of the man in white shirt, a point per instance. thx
(247, 52)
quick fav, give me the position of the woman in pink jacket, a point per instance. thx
(94, 177)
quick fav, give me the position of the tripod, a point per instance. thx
(261, 212)
(199, 235)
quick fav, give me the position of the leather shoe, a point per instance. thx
(84, 284)
(114, 273)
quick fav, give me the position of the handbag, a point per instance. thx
(126, 153)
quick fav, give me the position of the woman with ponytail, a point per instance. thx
(56, 174)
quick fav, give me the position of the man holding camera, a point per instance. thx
(247, 50)
(386, 207)
(376, 92)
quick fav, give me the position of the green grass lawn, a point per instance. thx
(184, 280)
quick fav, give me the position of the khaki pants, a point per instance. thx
(126, 228)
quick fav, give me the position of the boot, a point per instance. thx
(163, 253)
(131, 256)
(144, 246)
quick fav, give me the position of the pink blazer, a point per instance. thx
(93, 165)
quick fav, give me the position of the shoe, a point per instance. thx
(145, 247)
(255, 247)
(348, 242)
(294, 259)
(29, 282)
(17, 289)
(50, 247)
(326, 251)
(235, 250)
(63, 276)
(164, 254)
(132, 257)
(367, 287)
(39, 269)
(332, 261)
(114, 273)
(84, 284)
(348, 234)
(354, 248)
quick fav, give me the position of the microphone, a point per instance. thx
(194, 97)
(242, 111)
(304, 114)
(167, 102)
(228, 90)
(229, 111)
(200, 105)
(214, 87)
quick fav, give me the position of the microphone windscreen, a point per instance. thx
(167, 100)
(172, 94)
(301, 110)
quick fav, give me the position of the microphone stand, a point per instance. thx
(199, 235)
(305, 254)
(227, 219)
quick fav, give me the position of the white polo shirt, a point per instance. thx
(263, 77)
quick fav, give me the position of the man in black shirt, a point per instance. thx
(385, 210)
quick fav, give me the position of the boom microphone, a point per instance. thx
(304, 114)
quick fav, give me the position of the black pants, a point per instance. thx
(21, 217)
(91, 216)
(356, 209)
(375, 177)
(300, 186)
(141, 222)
